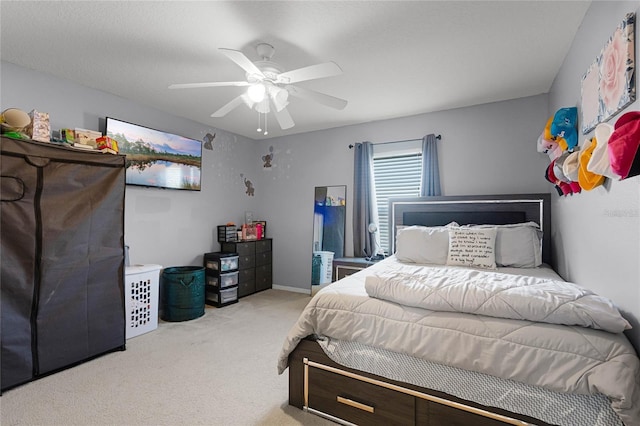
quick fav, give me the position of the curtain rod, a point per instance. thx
(439, 137)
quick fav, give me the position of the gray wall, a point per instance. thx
(487, 149)
(166, 227)
(596, 234)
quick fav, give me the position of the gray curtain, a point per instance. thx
(430, 184)
(365, 210)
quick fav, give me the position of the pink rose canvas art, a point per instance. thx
(613, 71)
(608, 86)
(590, 98)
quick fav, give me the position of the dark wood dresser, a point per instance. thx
(254, 264)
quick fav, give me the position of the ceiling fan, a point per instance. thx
(269, 86)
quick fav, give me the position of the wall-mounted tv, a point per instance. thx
(155, 158)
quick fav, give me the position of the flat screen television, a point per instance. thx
(155, 158)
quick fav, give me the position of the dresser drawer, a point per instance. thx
(246, 261)
(263, 258)
(263, 245)
(358, 402)
(246, 287)
(240, 248)
(245, 275)
(263, 277)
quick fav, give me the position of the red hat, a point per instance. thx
(563, 188)
(623, 145)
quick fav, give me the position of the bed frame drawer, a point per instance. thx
(316, 382)
(356, 401)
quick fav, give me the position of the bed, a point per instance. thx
(483, 334)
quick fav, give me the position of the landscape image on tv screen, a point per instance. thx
(155, 158)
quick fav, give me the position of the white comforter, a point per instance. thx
(561, 358)
(496, 294)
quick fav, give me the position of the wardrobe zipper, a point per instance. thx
(37, 273)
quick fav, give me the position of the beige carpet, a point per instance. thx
(219, 369)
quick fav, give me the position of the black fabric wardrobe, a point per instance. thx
(62, 258)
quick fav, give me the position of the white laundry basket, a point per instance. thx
(326, 266)
(141, 298)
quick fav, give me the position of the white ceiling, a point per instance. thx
(399, 58)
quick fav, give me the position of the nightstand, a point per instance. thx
(344, 266)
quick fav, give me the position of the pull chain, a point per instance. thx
(266, 132)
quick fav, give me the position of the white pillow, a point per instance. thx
(422, 244)
(518, 245)
(472, 247)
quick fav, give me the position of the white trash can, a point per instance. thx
(141, 287)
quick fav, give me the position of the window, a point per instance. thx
(396, 173)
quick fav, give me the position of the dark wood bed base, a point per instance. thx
(319, 385)
(349, 396)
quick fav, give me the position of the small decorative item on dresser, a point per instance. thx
(262, 228)
(249, 232)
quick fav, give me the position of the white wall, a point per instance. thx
(487, 149)
(166, 227)
(596, 234)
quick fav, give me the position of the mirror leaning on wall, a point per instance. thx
(329, 224)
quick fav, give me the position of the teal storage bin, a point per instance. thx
(183, 291)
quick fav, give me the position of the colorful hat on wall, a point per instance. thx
(547, 144)
(562, 187)
(564, 125)
(558, 170)
(549, 176)
(623, 146)
(588, 180)
(599, 162)
(571, 165)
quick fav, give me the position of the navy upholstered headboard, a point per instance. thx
(473, 209)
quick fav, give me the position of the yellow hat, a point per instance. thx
(546, 134)
(588, 180)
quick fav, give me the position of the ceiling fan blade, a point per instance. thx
(244, 62)
(324, 99)
(327, 69)
(228, 107)
(283, 117)
(215, 84)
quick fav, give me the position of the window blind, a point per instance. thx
(395, 176)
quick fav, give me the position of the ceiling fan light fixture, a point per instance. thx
(248, 102)
(279, 96)
(262, 107)
(256, 92)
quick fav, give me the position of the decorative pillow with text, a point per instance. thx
(473, 247)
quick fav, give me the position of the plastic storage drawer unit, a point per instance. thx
(220, 298)
(224, 280)
(220, 262)
(141, 298)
